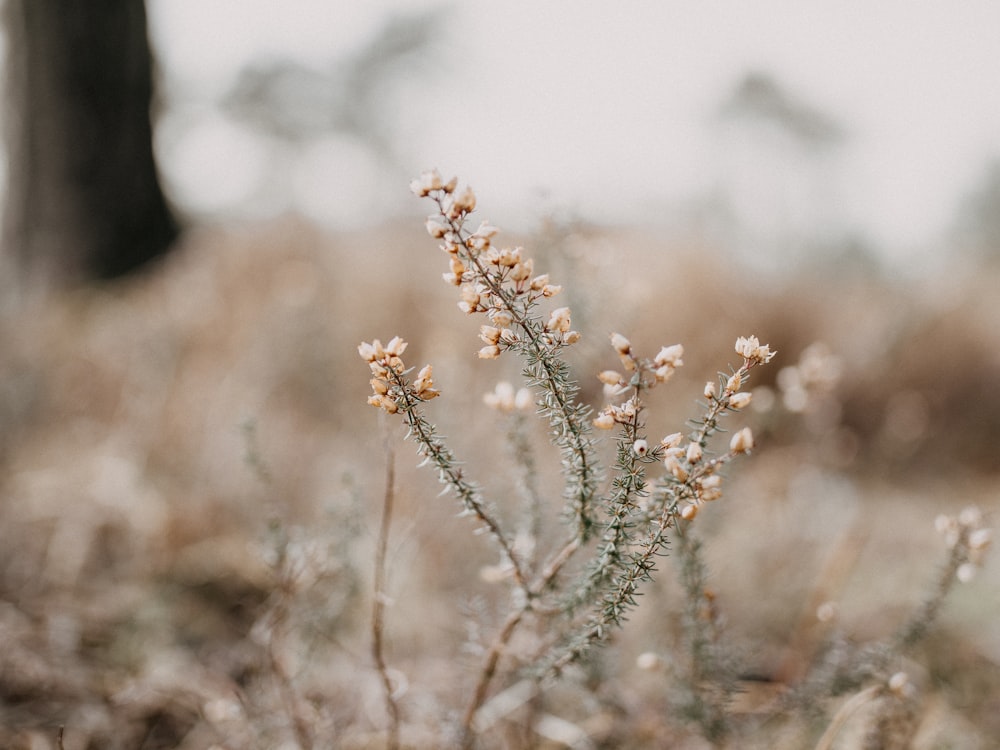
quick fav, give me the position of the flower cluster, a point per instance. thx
(500, 282)
(390, 390)
(968, 532)
(642, 374)
(753, 353)
(684, 461)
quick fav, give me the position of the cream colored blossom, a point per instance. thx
(670, 355)
(750, 348)
(694, 453)
(559, 320)
(742, 441)
(611, 377)
(740, 400)
(621, 344)
(672, 440)
(604, 421)
(489, 334)
(465, 201)
(428, 182)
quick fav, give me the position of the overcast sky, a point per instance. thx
(606, 109)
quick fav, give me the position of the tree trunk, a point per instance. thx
(83, 195)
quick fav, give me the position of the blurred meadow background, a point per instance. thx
(192, 481)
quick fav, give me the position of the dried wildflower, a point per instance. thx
(435, 228)
(368, 351)
(640, 448)
(694, 453)
(621, 344)
(489, 334)
(489, 352)
(670, 356)
(389, 388)
(734, 383)
(604, 421)
(427, 183)
(486, 231)
(559, 320)
(501, 318)
(673, 465)
(709, 488)
(689, 511)
(750, 348)
(672, 440)
(739, 400)
(425, 378)
(742, 441)
(710, 390)
(465, 201)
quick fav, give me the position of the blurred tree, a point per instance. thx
(759, 97)
(780, 154)
(351, 98)
(83, 196)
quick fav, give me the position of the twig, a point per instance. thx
(378, 605)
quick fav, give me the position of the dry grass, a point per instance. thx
(192, 484)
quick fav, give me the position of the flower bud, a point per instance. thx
(435, 228)
(742, 441)
(671, 464)
(465, 201)
(610, 377)
(693, 453)
(604, 421)
(672, 440)
(395, 347)
(489, 334)
(559, 320)
(739, 400)
(621, 344)
(670, 355)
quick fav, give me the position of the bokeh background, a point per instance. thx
(191, 479)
